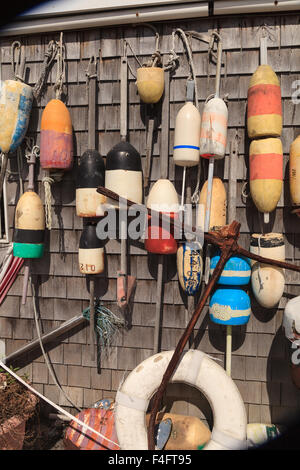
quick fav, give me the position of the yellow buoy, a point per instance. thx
(295, 172)
(218, 205)
(267, 281)
(266, 173)
(150, 83)
(264, 112)
(188, 432)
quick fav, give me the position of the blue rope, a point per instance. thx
(107, 324)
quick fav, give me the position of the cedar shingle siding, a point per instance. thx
(260, 366)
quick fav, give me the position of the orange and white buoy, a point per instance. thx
(266, 173)
(213, 134)
(264, 112)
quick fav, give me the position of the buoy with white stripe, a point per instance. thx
(123, 172)
(91, 174)
(186, 150)
(264, 111)
(294, 175)
(91, 251)
(197, 370)
(266, 173)
(260, 433)
(267, 281)
(230, 306)
(160, 235)
(236, 272)
(218, 205)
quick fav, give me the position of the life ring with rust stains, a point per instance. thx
(195, 369)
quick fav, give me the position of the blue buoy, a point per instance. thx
(230, 306)
(236, 272)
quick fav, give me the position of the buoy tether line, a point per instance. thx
(211, 153)
(232, 194)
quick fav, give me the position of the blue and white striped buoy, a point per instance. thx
(230, 306)
(236, 272)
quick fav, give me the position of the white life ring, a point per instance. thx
(195, 369)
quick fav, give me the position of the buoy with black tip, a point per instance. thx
(16, 99)
(91, 258)
(29, 231)
(123, 175)
(91, 170)
(267, 281)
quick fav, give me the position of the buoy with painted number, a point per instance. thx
(294, 173)
(150, 83)
(91, 174)
(266, 173)
(187, 136)
(264, 111)
(230, 306)
(213, 134)
(236, 272)
(218, 205)
(123, 173)
(56, 147)
(91, 251)
(267, 281)
(160, 237)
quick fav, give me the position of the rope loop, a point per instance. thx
(60, 72)
(50, 55)
(18, 60)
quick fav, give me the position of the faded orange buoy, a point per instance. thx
(56, 147)
(264, 112)
(294, 170)
(266, 173)
(213, 134)
(150, 83)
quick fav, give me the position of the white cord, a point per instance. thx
(50, 368)
(85, 427)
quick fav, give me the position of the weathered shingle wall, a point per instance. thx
(260, 351)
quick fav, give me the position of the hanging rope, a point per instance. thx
(18, 60)
(155, 59)
(47, 181)
(50, 55)
(60, 71)
(107, 324)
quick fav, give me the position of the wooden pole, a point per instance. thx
(264, 61)
(164, 162)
